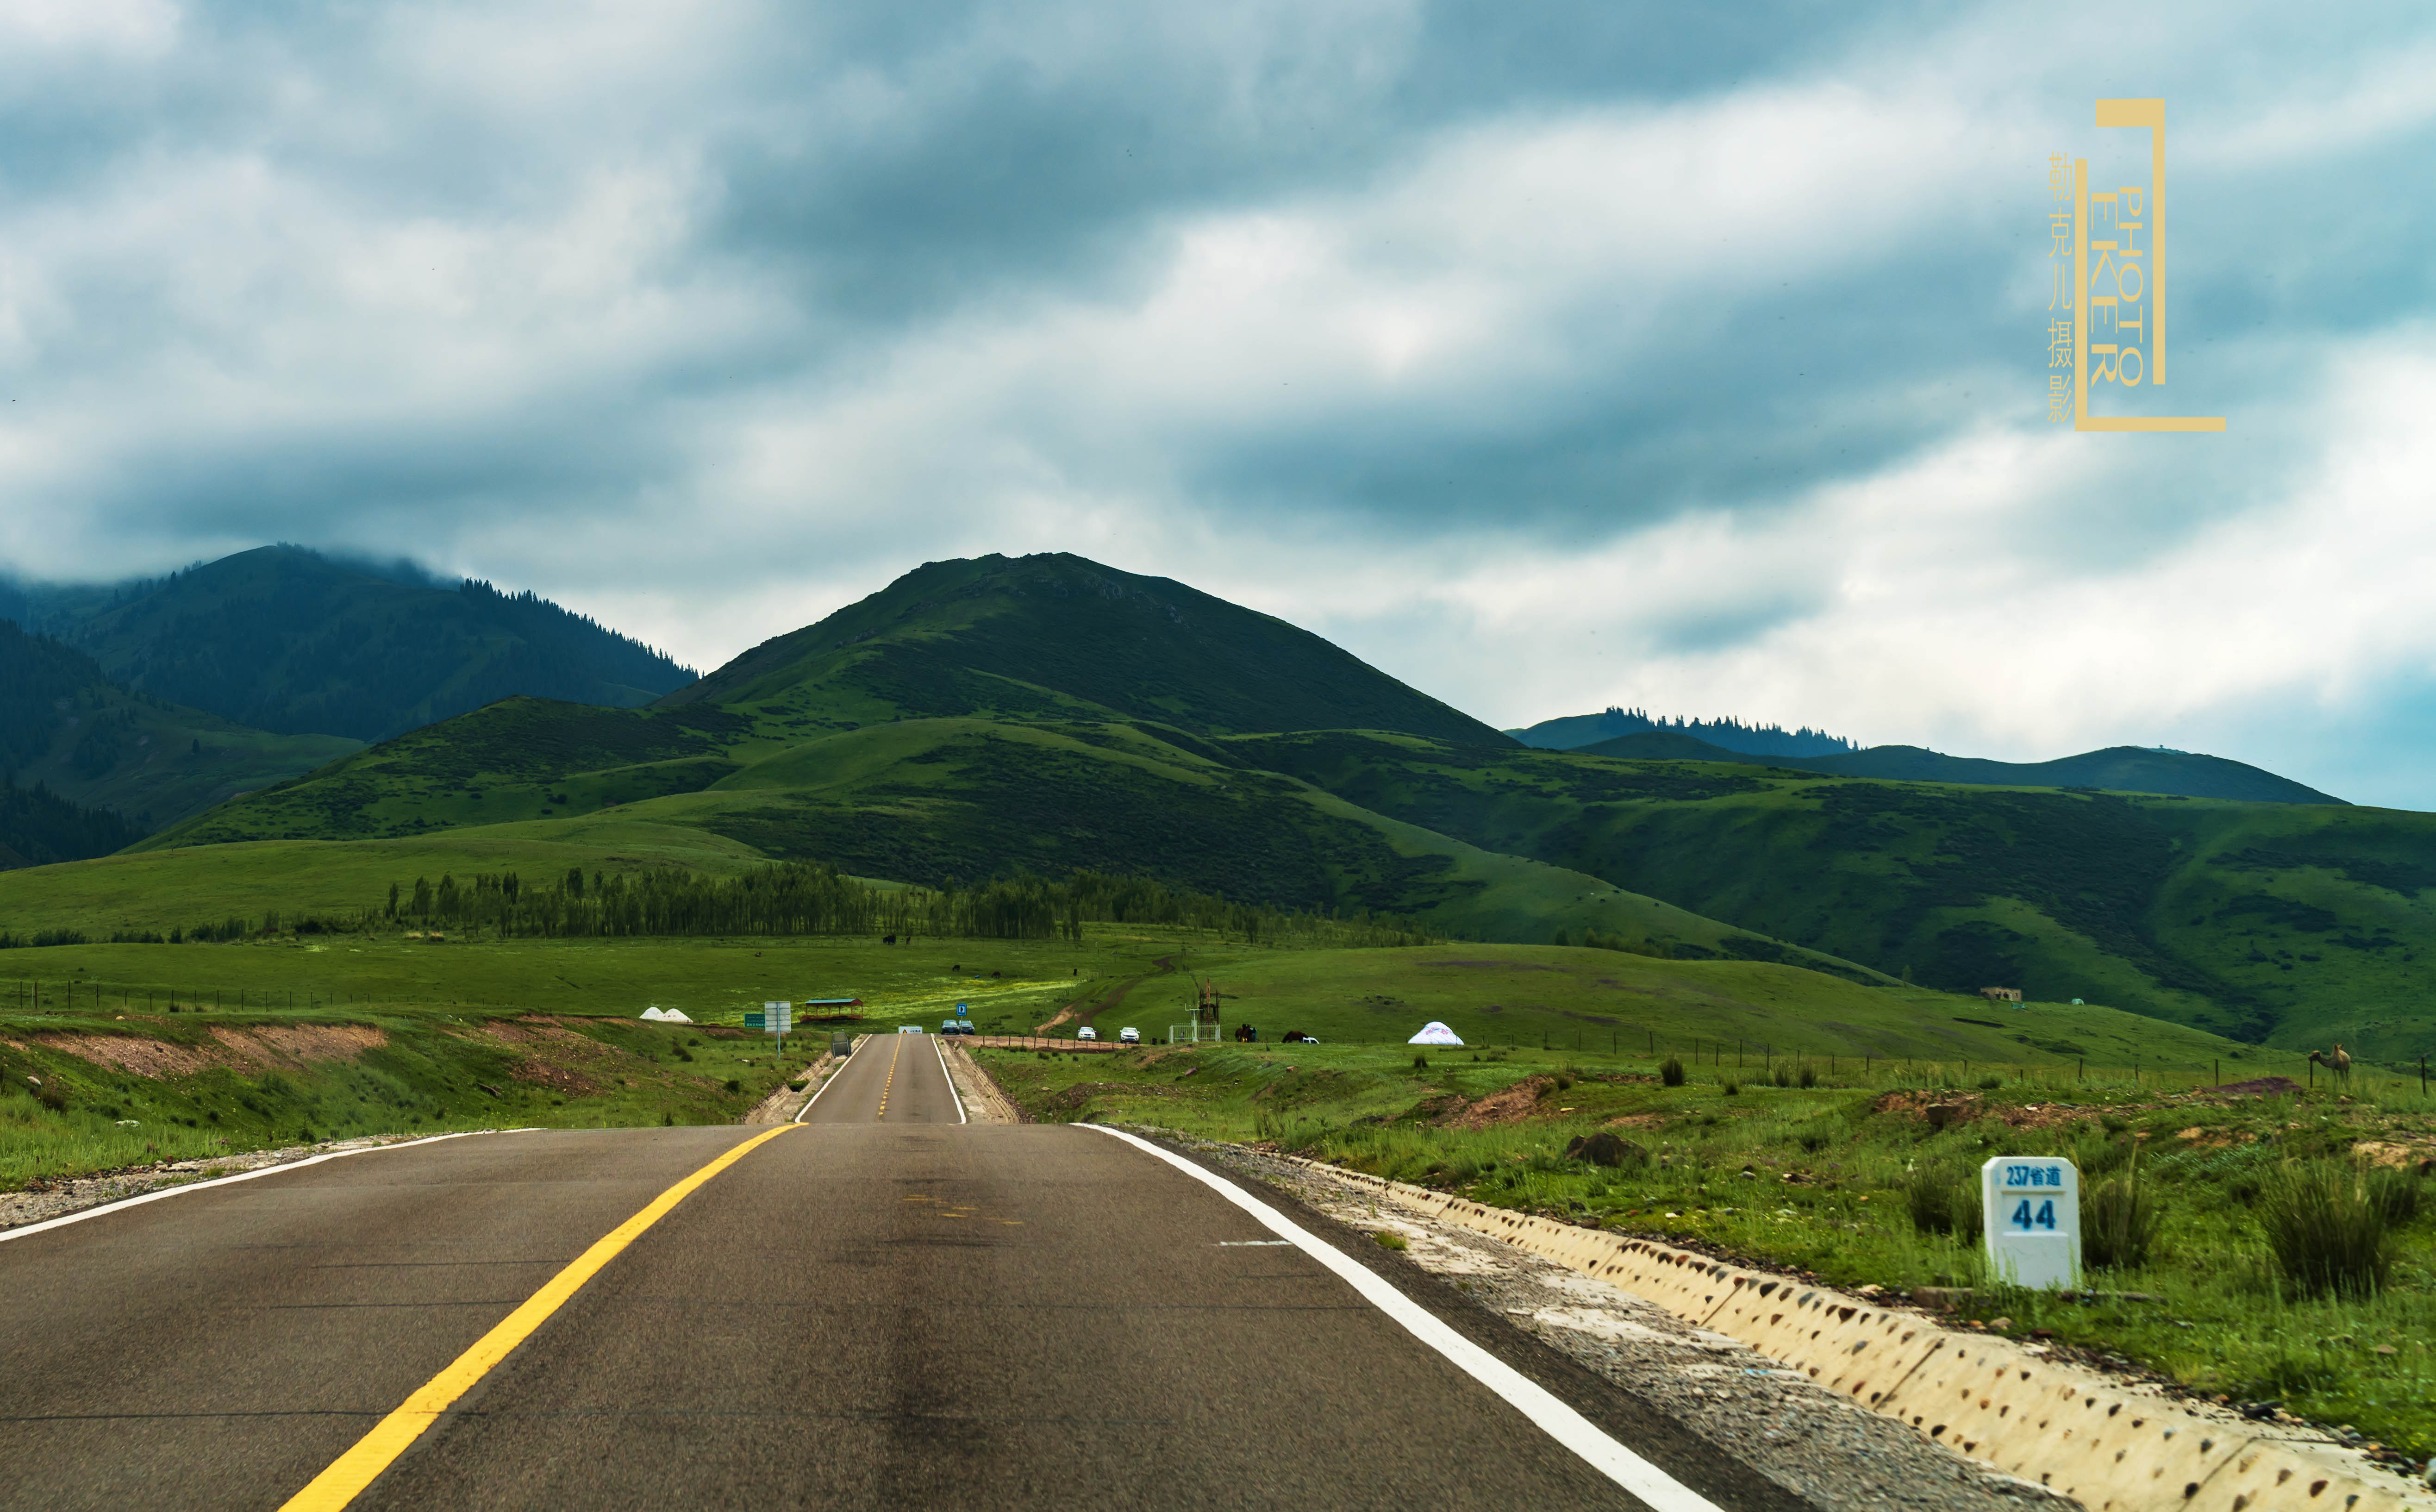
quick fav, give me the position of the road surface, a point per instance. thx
(883, 1307)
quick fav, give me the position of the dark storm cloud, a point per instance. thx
(1717, 331)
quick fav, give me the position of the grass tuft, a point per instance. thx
(2118, 1222)
(2328, 1238)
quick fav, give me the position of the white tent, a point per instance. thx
(672, 1016)
(1435, 1033)
(654, 1014)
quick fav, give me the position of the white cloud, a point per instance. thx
(469, 283)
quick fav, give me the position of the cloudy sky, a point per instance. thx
(1546, 356)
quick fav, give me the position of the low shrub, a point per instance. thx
(2394, 1194)
(2118, 1222)
(1942, 1203)
(1672, 1072)
(1806, 1076)
(1733, 1088)
(2325, 1234)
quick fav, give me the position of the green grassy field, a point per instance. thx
(159, 890)
(254, 1044)
(711, 980)
(1504, 995)
(1571, 999)
(1824, 1179)
(88, 1092)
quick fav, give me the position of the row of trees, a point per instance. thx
(797, 898)
(789, 898)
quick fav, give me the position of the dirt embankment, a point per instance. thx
(1512, 1106)
(253, 1047)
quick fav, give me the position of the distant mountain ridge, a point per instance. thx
(2116, 769)
(288, 640)
(1575, 731)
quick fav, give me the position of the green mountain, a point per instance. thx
(1057, 637)
(2117, 769)
(1575, 732)
(2252, 920)
(287, 641)
(968, 721)
(125, 761)
(977, 719)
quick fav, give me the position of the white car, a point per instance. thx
(1087, 1032)
(1129, 1035)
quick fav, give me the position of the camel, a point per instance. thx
(2339, 1062)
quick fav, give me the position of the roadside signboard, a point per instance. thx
(777, 1019)
(2030, 1215)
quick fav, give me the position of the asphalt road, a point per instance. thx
(884, 1309)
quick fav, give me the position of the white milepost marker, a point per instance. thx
(2030, 1209)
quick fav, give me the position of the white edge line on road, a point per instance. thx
(850, 1054)
(939, 1043)
(179, 1190)
(1663, 1492)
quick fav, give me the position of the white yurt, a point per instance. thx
(654, 1014)
(1435, 1033)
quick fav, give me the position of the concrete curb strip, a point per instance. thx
(2062, 1427)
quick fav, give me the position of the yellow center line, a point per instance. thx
(891, 1077)
(358, 1467)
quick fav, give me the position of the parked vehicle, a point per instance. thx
(1087, 1032)
(1129, 1035)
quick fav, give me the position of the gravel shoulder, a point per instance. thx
(983, 1102)
(42, 1200)
(1806, 1438)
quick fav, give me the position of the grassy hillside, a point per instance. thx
(2118, 768)
(2266, 921)
(1525, 997)
(65, 725)
(1055, 636)
(519, 758)
(284, 639)
(923, 801)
